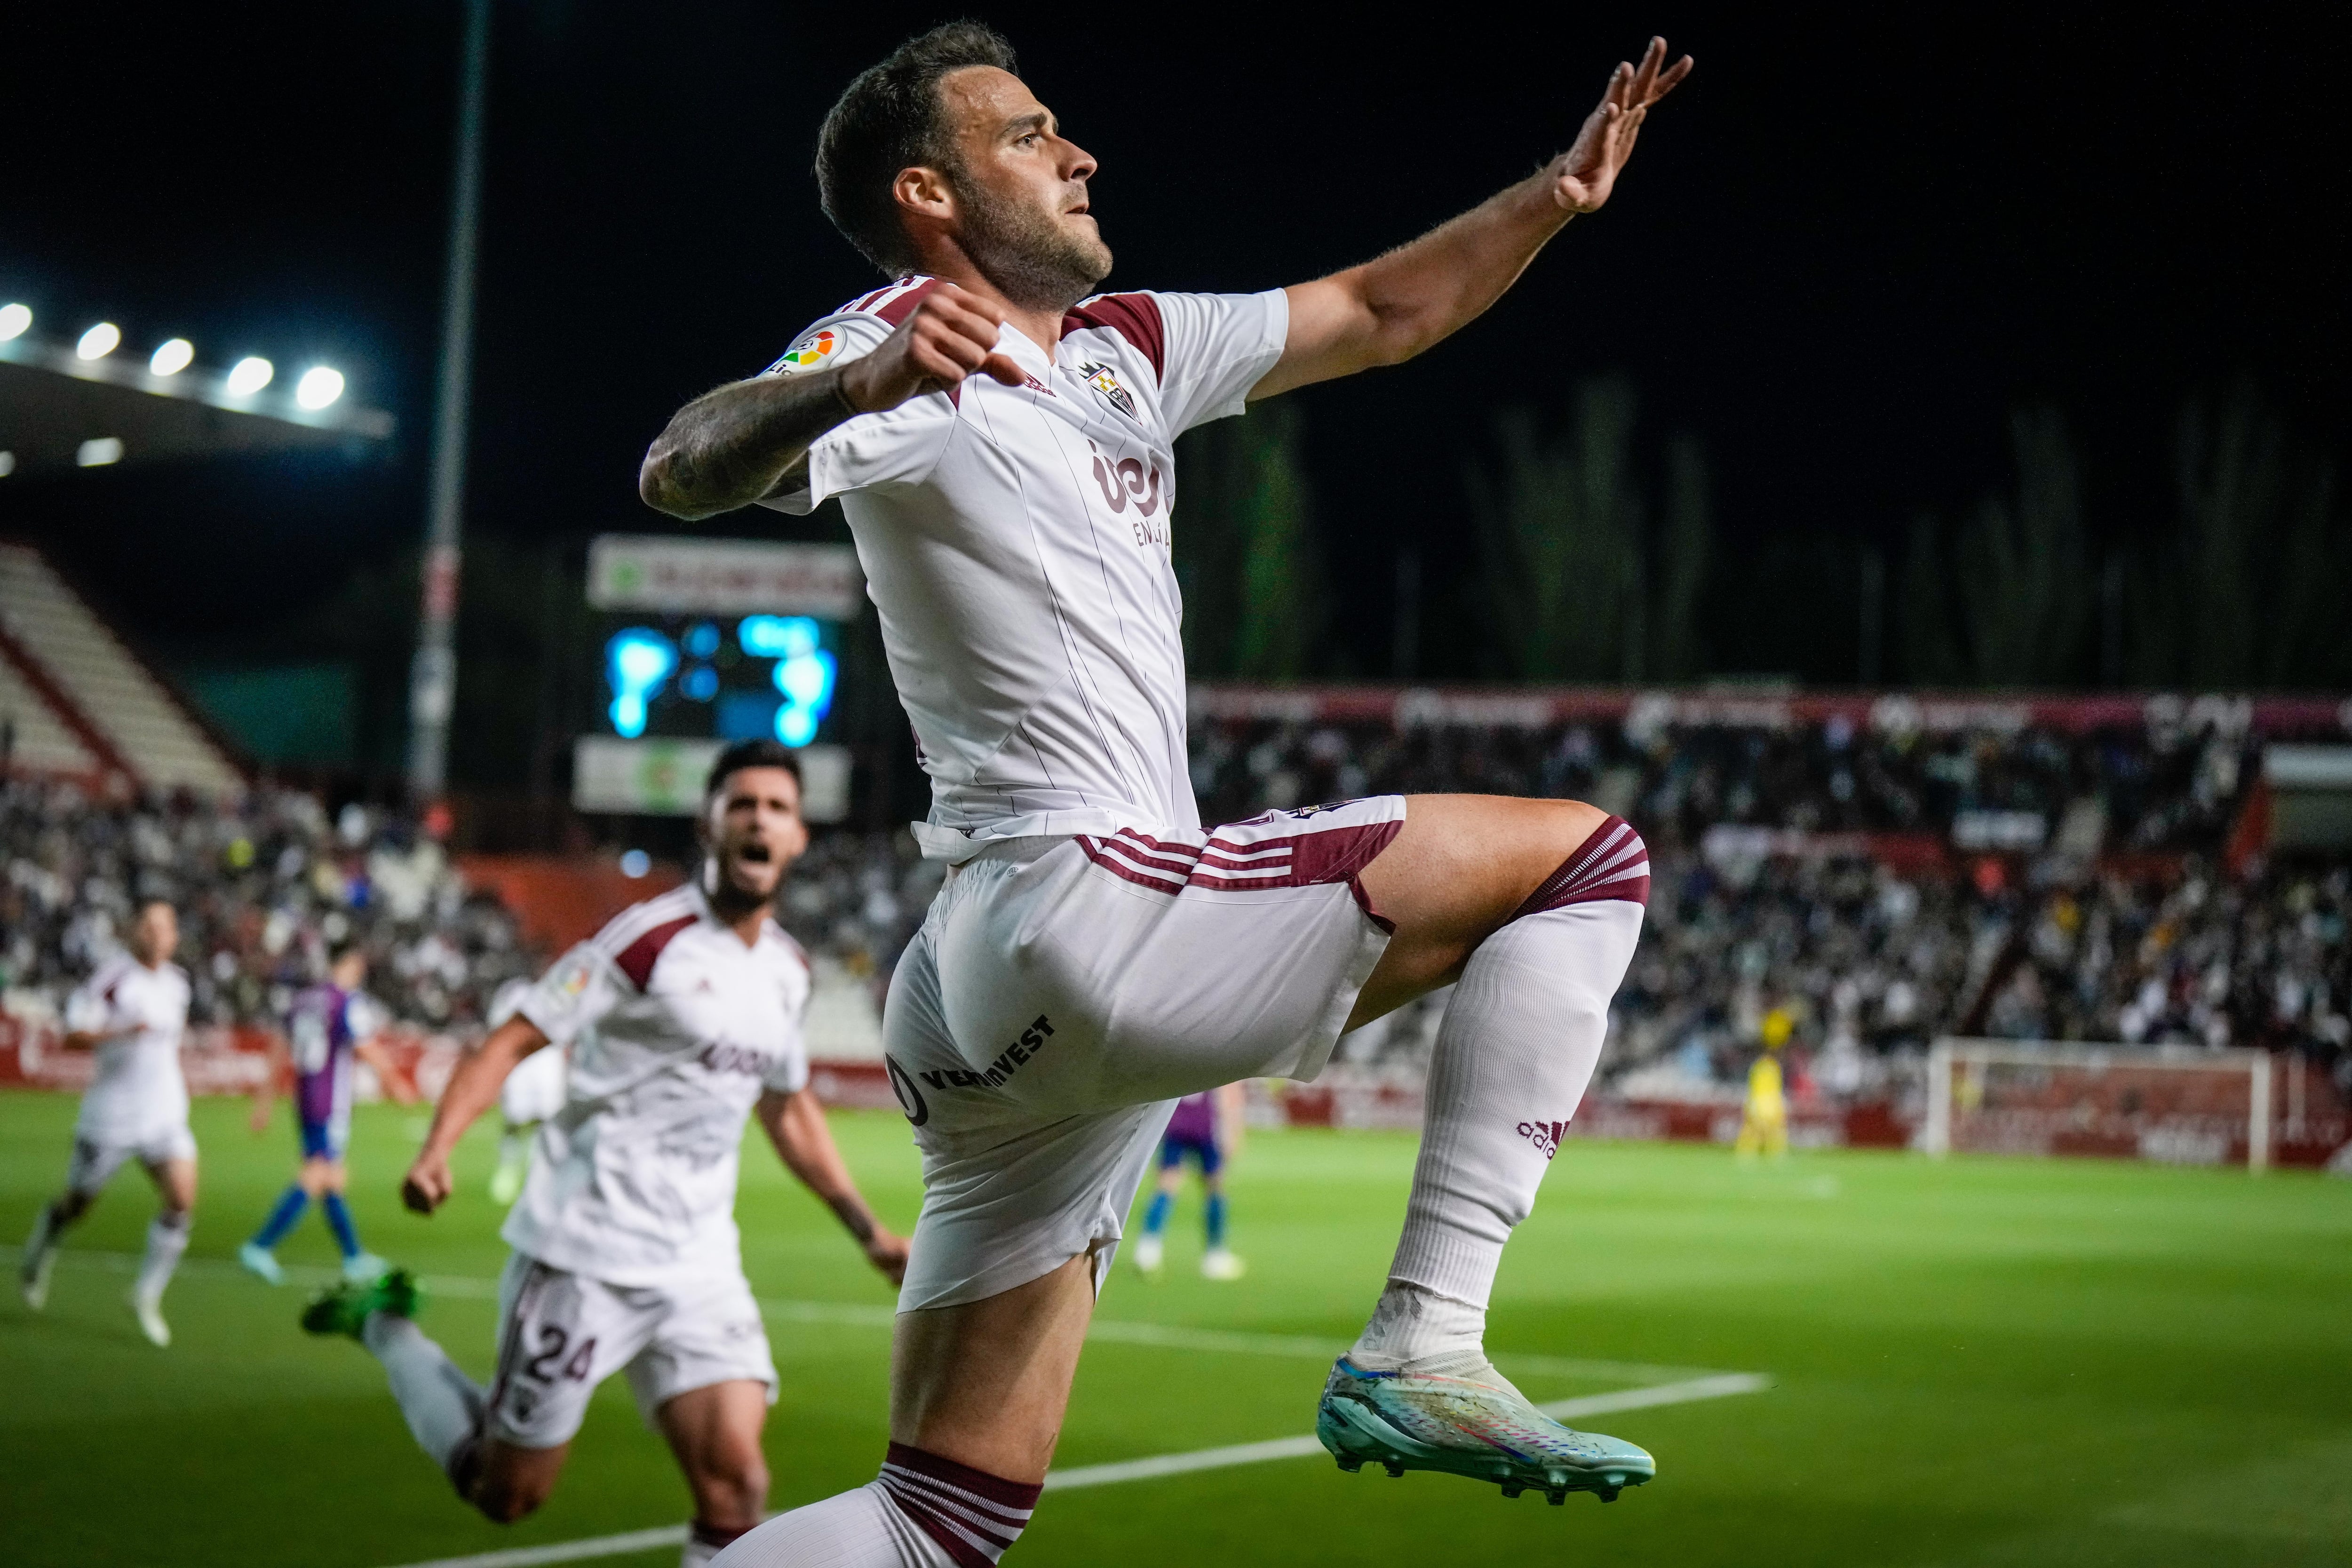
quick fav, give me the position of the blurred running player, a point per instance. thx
(132, 1012)
(1003, 440)
(687, 1011)
(1764, 1119)
(330, 1025)
(532, 1093)
(1205, 1128)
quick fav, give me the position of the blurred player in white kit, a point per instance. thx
(532, 1093)
(1002, 439)
(686, 1014)
(132, 1012)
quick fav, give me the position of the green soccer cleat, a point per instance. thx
(344, 1308)
(1405, 1422)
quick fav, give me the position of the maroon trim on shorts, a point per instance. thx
(1134, 317)
(637, 960)
(1310, 858)
(1614, 863)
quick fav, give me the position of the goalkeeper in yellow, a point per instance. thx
(1764, 1120)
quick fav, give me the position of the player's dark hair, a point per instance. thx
(763, 753)
(890, 118)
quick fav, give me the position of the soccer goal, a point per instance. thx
(2180, 1104)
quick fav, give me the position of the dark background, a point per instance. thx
(1847, 248)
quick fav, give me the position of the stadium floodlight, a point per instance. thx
(7, 464)
(319, 387)
(99, 451)
(14, 321)
(99, 341)
(250, 374)
(173, 357)
(635, 863)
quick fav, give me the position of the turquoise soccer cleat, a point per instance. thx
(1407, 1422)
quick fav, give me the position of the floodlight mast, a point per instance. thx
(433, 678)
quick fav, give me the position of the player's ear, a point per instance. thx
(924, 193)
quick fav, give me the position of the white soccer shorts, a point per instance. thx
(535, 1091)
(561, 1334)
(1063, 991)
(96, 1159)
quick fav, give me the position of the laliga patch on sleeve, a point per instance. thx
(570, 981)
(809, 354)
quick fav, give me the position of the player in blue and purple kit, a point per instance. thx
(1208, 1127)
(329, 1026)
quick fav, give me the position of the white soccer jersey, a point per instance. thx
(1015, 540)
(139, 1015)
(676, 1027)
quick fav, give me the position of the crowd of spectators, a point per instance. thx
(264, 887)
(2049, 886)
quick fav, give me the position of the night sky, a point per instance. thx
(1840, 255)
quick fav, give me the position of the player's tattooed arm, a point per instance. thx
(733, 445)
(1398, 305)
(795, 1124)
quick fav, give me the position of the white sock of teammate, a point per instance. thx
(1522, 1034)
(441, 1405)
(167, 1238)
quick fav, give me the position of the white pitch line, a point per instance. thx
(1683, 1393)
(1689, 1391)
(872, 1315)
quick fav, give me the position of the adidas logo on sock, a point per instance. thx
(1544, 1135)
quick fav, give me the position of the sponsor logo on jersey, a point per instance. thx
(808, 354)
(1544, 1135)
(1128, 480)
(1008, 1061)
(721, 1056)
(910, 1099)
(1100, 378)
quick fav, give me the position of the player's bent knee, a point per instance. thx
(1607, 862)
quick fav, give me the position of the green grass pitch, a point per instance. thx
(1977, 1363)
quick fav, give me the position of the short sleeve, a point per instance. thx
(89, 1010)
(364, 1017)
(1215, 348)
(571, 996)
(872, 450)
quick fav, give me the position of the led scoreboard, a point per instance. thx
(705, 641)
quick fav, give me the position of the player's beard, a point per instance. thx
(1033, 261)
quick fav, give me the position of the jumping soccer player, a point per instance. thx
(1205, 1128)
(132, 1012)
(329, 1026)
(686, 1011)
(1002, 446)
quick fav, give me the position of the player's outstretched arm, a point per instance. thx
(473, 1088)
(795, 1124)
(729, 447)
(1396, 305)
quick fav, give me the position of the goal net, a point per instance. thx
(2180, 1104)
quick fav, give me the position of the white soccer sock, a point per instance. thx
(46, 1232)
(441, 1405)
(167, 1238)
(1521, 1037)
(861, 1529)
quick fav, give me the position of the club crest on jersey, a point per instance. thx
(808, 354)
(1099, 377)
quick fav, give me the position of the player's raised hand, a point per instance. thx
(428, 1182)
(950, 335)
(1583, 176)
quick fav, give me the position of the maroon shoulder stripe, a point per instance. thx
(637, 961)
(899, 308)
(1134, 317)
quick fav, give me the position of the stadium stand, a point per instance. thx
(81, 702)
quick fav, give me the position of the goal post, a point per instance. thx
(2180, 1104)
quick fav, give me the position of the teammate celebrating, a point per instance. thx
(1204, 1128)
(1002, 446)
(686, 1010)
(329, 1026)
(132, 1012)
